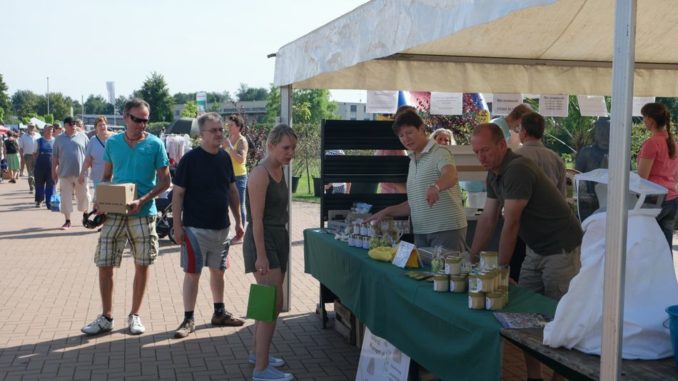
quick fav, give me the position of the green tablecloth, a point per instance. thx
(435, 329)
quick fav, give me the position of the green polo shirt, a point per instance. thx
(448, 212)
(547, 224)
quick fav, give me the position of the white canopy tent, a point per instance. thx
(498, 46)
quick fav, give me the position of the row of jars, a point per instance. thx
(360, 241)
(491, 301)
(379, 228)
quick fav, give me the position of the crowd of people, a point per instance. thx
(525, 186)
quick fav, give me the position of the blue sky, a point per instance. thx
(206, 45)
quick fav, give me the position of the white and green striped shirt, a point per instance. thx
(448, 212)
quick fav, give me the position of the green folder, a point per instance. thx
(261, 303)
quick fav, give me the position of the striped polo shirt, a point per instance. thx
(448, 212)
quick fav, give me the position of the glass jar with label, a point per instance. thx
(473, 283)
(485, 282)
(458, 283)
(453, 265)
(366, 242)
(494, 301)
(488, 260)
(440, 283)
(476, 300)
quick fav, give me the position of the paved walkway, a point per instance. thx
(49, 289)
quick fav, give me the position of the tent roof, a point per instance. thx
(495, 46)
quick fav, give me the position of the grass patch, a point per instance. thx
(303, 194)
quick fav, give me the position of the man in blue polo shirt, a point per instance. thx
(138, 157)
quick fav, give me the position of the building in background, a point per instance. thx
(353, 111)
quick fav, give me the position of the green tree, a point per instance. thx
(190, 110)
(2, 115)
(183, 98)
(59, 106)
(96, 104)
(48, 118)
(24, 103)
(120, 104)
(317, 106)
(5, 102)
(156, 93)
(246, 93)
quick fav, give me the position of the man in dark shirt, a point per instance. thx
(534, 210)
(204, 189)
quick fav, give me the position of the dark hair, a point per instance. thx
(533, 124)
(407, 117)
(661, 115)
(495, 131)
(69, 120)
(237, 119)
(134, 103)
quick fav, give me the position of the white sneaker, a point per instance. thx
(271, 374)
(135, 325)
(99, 325)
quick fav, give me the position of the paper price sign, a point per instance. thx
(403, 254)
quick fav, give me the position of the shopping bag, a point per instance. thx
(55, 203)
(261, 303)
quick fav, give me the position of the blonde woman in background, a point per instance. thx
(236, 147)
(444, 137)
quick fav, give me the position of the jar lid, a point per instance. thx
(488, 253)
(453, 259)
(440, 277)
(458, 277)
(476, 294)
(495, 295)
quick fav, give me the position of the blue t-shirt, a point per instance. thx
(137, 165)
(501, 122)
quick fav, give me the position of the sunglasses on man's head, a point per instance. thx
(137, 119)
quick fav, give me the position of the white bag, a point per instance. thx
(650, 286)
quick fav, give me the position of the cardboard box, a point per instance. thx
(114, 198)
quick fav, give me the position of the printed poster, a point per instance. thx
(553, 105)
(503, 103)
(381, 361)
(446, 103)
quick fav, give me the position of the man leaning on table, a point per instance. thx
(535, 211)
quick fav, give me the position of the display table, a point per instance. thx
(577, 365)
(435, 329)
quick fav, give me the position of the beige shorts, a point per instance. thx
(117, 230)
(549, 275)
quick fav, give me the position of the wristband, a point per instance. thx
(435, 185)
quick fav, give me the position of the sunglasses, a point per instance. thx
(137, 120)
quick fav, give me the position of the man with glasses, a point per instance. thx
(204, 189)
(138, 157)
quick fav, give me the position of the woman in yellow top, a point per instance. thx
(236, 146)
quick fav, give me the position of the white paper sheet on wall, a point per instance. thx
(503, 103)
(553, 105)
(382, 102)
(592, 105)
(446, 103)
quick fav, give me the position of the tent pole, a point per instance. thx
(617, 208)
(286, 117)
